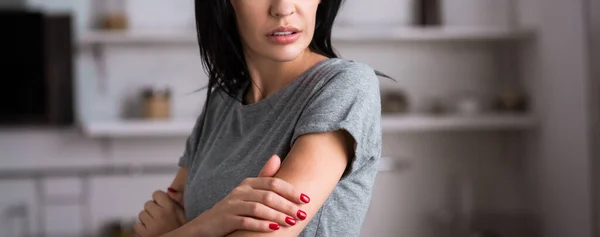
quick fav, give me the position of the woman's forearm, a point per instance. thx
(192, 228)
(187, 230)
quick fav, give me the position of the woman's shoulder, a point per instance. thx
(348, 69)
(348, 76)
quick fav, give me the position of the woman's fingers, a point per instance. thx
(280, 187)
(151, 208)
(279, 209)
(271, 199)
(145, 217)
(261, 211)
(162, 199)
(176, 196)
(140, 229)
(252, 224)
(271, 167)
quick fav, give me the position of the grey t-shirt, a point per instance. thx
(235, 140)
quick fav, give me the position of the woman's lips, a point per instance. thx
(284, 37)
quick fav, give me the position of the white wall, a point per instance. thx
(593, 11)
(560, 158)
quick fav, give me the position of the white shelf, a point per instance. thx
(345, 34)
(415, 123)
(139, 128)
(429, 34)
(129, 37)
(389, 124)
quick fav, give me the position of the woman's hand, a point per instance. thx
(260, 204)
(160, 215)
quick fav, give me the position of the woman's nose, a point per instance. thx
(282, 8)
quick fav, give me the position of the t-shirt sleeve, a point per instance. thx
(348, 101)
(185, 160)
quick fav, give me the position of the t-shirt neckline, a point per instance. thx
(269, 100)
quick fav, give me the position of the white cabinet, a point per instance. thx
(17, 208)
(122, 198)
(63, 206)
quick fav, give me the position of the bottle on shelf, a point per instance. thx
(429, 12)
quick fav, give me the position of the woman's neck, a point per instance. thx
(270, 76)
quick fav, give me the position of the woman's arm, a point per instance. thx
(238, 210)
(165, 211)
(315, 164)
(178, 185)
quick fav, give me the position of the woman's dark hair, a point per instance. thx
(221, 48)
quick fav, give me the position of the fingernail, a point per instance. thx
(172, 190)
(290, 220)
(274, 226)
(301, 215)
(304, 198)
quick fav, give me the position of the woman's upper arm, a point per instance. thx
(178, 184)
(180, 179)
(314, 166)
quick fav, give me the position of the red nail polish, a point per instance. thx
(274, 226)
(304, 198)
(301, 215)
(290, 220)
(172, 190)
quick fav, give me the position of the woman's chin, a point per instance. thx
(285, 54)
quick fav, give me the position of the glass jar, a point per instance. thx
(157, 103)
(114, 15)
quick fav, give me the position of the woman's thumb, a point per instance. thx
(271, 167)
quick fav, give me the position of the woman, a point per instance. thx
(289, 139)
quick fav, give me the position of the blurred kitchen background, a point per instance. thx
(489, 129)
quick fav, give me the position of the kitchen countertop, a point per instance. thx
(92, 169)
(122, 168)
